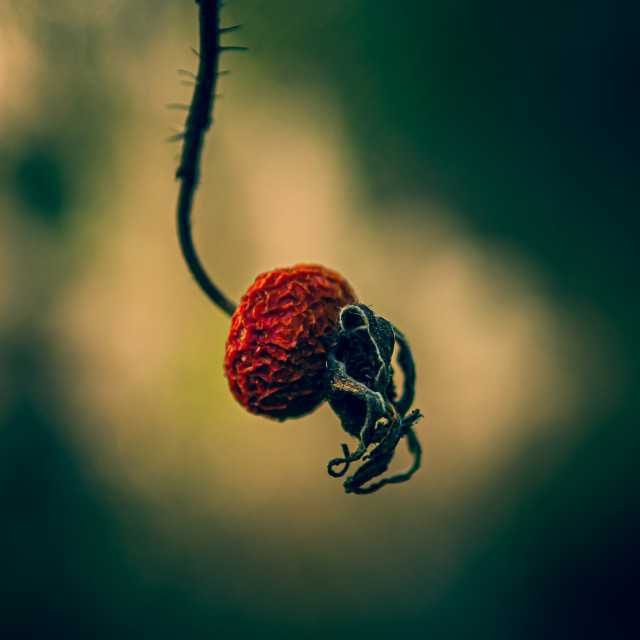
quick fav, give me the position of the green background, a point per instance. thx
(521, 116)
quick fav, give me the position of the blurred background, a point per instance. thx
(472, 169)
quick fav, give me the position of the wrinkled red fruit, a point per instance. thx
(276, 352)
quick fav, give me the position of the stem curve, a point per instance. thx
(198, 121)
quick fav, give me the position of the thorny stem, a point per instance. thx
(198, 121)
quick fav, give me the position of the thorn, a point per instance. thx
(194, 51)
(188, 83)
(235, 27)
(189, 74)
(174, 105)
(226, 72)
(175, 138)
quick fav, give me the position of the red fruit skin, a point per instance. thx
(276, 353)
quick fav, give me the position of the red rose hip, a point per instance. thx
(275, 356)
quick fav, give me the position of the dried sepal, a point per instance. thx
(360, 389)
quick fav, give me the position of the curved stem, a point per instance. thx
(198, 121)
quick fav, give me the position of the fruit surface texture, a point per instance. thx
(275, 356)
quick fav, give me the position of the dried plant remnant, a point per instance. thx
(361, 390)
(298, 336)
